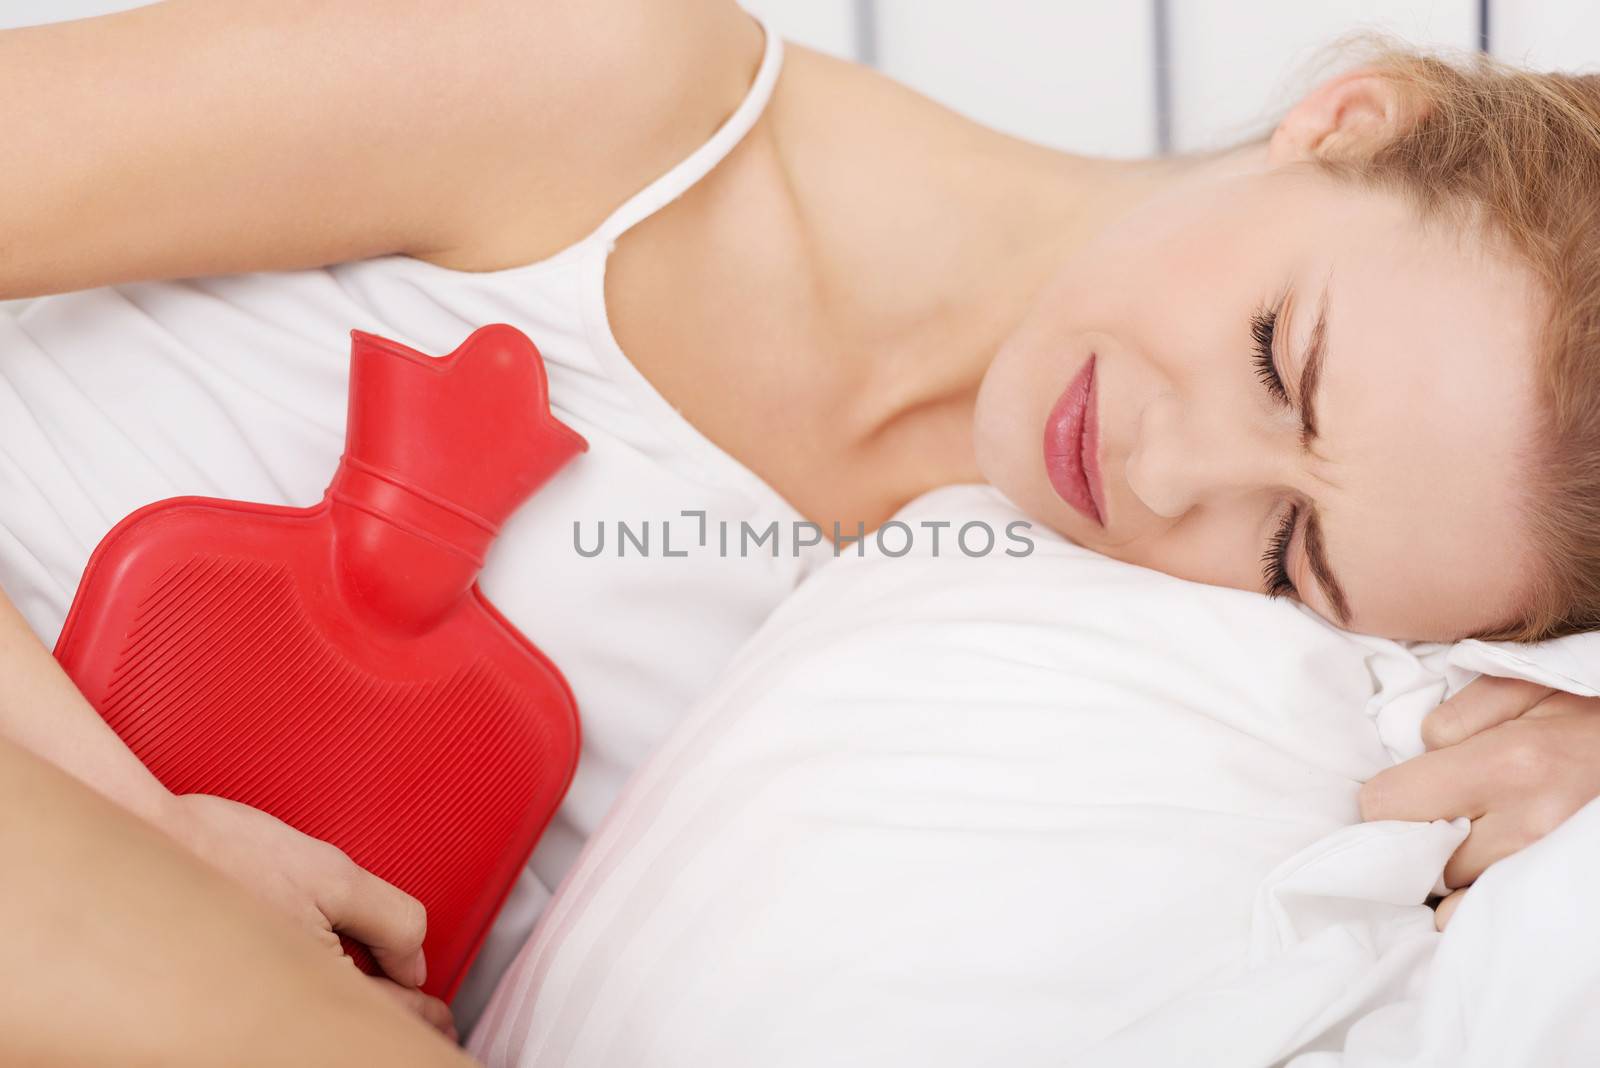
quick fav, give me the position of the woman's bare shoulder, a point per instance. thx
(642, 86)
(204, 137)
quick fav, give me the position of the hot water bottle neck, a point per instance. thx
(337, 666)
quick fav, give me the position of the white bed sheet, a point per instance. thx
(1346, 973)
(1055, 810)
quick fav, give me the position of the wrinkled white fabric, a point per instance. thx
(1571, 664)
(1025, 811)
(1345, 972)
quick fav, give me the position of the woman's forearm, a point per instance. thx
(119, 947)
(202, 137)
(42, 711)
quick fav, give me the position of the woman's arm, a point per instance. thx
(43, 712)
(214, 136)
(117, 947)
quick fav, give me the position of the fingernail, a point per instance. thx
(422, 968)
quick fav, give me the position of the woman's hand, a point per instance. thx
(1514, 757)
(319, 888)
(311, 882)
(119, 946)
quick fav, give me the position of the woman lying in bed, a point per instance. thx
(1353, 364)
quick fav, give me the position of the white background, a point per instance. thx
(1082, 75)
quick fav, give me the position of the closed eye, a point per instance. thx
(1275, 578)
(1263, 331)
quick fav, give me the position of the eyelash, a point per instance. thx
(1263, 327)
(1275, 561)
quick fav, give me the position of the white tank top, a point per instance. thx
(235, 387)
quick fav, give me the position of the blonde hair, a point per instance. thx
(1520, 152)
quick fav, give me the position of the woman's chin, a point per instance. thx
(1033, 497)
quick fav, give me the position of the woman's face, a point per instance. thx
(1296, 386)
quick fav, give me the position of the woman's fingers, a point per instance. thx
(1447, 908)
(1525, 760)
(1491, 838)
(1443, 784)
(1486, 702)
(385, 919)
(432, 1011)
(311, 881)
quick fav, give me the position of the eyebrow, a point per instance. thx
(1316, 549)
(1311, 373)
(1317, 556)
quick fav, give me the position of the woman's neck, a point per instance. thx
(927, 238)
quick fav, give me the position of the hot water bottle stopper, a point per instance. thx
(337, 666)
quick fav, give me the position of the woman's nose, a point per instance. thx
(1188, 454)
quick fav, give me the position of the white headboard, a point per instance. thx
(1133, 77)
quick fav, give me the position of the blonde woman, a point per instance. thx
(1355, 363)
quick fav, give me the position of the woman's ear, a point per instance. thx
(1353, 111)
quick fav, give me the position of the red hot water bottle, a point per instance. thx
(338, 666)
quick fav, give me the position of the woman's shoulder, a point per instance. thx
(644, 86)
(484, 134)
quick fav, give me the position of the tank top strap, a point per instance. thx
(667, 188)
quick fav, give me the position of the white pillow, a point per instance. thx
(946, 810)
(1571, 664)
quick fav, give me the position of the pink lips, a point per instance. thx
(1072, 446)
